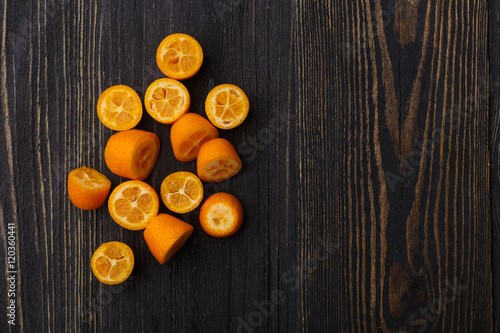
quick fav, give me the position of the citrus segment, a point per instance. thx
(188, 134)
(119, 108)
(179, 56)
(221, 215)
(133, 204)
(165, 235)
(218, 161)
(166, 100)
(88, 188)
(181, 191)
(132, 154)
(226, 106)
(112, 262)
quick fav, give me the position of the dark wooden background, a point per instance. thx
(371, 178)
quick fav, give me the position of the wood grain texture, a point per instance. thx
(395, 165)
(366, 178)
(57, 57)
(494, 139)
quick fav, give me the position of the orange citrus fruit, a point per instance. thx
(226, 106)
(88, 188)
(221, 215)
(181, 191)
(179, 56)
(119, 108)
(165, 235)
(166, 100)
(218, 161)
(133, 204)
(112, 262)
(132, 154)
(188, 134)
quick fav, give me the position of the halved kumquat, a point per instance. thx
(112, 262)
(221, 215)
(218, 161)
(181, 191)
(165, 235)
(132, 154)
(119, 108)
(133, 204)
(88, 188)
(166, 100)
(226, 106)
(188, 134)
(179, 56)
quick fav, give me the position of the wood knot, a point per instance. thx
(404, 292)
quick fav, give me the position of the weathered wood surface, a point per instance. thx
(370, 180)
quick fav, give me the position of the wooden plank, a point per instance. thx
(393, 121)
(57, 57)
(365, 181)
(494, 83)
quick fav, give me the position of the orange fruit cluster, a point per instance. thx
(133, 153)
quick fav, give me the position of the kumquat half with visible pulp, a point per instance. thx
(133, 204)
(119, 108)
(112, 262)
(166, 100)
(179, 56)
(181, 191)
(226, 106)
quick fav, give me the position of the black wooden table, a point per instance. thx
(371, 177)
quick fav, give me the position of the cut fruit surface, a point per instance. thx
(167, 100)
(165, 235)
(133, 204)
(218, 161)
(132, 154)
(181, 191)
(88, 188)
(179, 56)
(119, 108)
(188, 134)
(112, 262)
(221, 215)
(226, 106)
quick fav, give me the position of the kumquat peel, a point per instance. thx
(165, 235)
(132, 154)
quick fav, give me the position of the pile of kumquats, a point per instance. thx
(132, 153)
